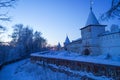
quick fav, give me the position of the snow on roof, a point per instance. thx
(92, 20)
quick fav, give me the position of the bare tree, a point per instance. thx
(6, 4)
(113, 12)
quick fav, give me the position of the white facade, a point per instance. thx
(96, 40)
(110, 43)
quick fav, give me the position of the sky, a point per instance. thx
(55, 18)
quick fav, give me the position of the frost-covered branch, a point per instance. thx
(7, 3)
(3, 5)
(113, 12)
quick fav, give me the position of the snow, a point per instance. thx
(75, 56)
(92, 20)
(24, 70)
(78, 73)
(7, 72)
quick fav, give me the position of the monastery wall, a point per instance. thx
(110, 43)
(74, 47)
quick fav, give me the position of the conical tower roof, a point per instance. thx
(92, 20)
(67, 41)
(59, 46)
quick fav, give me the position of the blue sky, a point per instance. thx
(55, 18)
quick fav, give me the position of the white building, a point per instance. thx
(95, 39)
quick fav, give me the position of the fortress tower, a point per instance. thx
(89, 33)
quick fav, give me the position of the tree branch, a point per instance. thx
(114, 11)
(6, 19)
(7, 3)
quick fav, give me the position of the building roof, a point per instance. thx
(59, 45)
(91, 20)
(93, 25)
(77, 41)
(67, 41)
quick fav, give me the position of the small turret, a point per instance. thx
(58, 46)
(67, 41)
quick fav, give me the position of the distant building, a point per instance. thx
(95, 39)
(59, 47)
(67, 42)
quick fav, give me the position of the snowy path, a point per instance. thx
(8, 71)
(24, 70)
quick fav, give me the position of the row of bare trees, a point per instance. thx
(24, 39)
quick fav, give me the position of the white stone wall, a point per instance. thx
(74, 47)
(110, 44)
(97, 41)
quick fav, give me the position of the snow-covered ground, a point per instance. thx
(24, 70)
(101, 59)
(83, 75)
